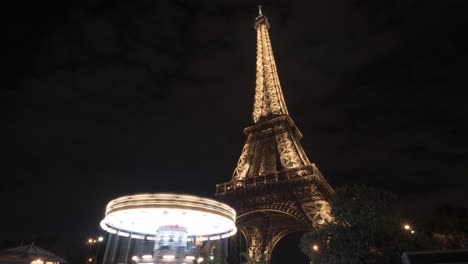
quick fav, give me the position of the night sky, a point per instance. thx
(108, 98)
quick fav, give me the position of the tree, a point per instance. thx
(449, 225)
(366, 229)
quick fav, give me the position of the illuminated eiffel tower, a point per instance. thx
(275, 189)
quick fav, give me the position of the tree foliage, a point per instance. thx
(449, 225)
(366, 230)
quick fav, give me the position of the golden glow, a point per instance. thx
(121, 233)
(268, 98)
(137, 236)
(90, 259)
(259, 166)
(146, 257)
(409, 229)
(139, 216)
(37, 261)
(168, 200)
(168, 257)
(90, 240)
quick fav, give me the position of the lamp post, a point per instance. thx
(93, 242)
(90, 243)
(99, 241)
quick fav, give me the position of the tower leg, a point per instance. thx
(262, 236)
(255, 245)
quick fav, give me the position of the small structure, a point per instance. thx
(29, 254)
(459, 256)
(166, 228)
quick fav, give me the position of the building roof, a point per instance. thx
(459, 256)
(27, 254)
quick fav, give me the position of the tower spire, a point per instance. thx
(269, 101)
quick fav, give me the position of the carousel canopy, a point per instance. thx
(141, 215)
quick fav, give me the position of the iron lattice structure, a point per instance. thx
(275, 189)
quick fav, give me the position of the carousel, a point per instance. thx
(166, 228)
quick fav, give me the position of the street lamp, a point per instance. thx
(99, 240)
(408, 228)
(315, 248)
(94, 241)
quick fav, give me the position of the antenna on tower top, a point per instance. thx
(260, 10)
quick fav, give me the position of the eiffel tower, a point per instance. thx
(275, 189)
